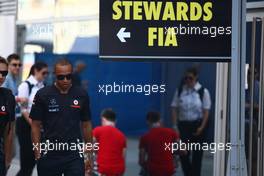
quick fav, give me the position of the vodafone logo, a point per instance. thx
(3, 108)
(75, 102)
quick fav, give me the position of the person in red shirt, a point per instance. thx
(154, 159)
(112, 146)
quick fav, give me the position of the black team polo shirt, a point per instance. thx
(7, 109)
(61, 114)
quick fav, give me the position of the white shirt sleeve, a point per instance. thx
(23, 90)
(174, 102)
(207, 100)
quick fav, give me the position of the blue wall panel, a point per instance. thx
(131, 108)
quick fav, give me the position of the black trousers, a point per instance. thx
(254, 145)
(56, 164)
(27, 159)
(2, 158)
(192, 162)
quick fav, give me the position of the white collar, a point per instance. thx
(156, 125)
(34, 81)
(197, 86)
(106, 122)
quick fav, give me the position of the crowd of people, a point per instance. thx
(60, 113)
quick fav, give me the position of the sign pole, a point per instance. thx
(237, 159)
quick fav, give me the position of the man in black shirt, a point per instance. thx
(63, 111)
(7, 118)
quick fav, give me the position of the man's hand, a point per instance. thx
(21, 100)
(88, 166)
(8, 144)
(29, 120)
(35, 133)
(198, 132)
(37, 154)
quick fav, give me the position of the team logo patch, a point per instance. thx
(3, 111)
(75, 102)
(53, 101)
(53, 106)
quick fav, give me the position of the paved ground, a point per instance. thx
(132, 159)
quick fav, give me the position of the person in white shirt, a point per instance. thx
(190, 112)
(27, 90)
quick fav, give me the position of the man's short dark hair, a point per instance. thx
(13, 57)
(62, 62)
(109, 114)
(153, 117)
